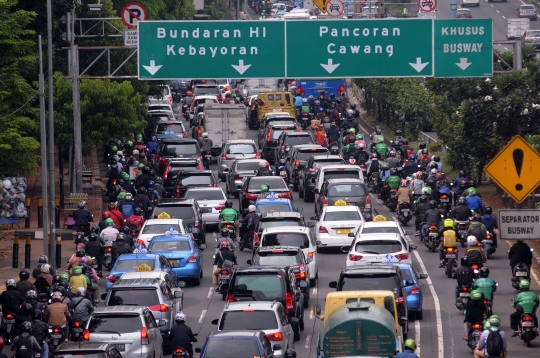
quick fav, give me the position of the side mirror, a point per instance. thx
(194, 230)
(311, 224)
(202, 246)
(332, 284)
(317, 310)
(248, 262)
(198, 350)
(276, 347)
(403, 320)
(178, 294)
(299, 209)
(345, 249)
(412, 247)
(313, 217)
(408, 232)
(103, 296)
(316, 191)
(422, 276)
(224, 168)
(294, 321)
(259, 151)
(181, 284)
(351, 234)
(162, 323)
(215, 321)
(290, 186)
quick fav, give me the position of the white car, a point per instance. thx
(382, 227)
(157, 106)
(335, 224)
(294, 236)
(155, 227)
(225, 86)
(211, 200)
(470, 3)
(378, 248)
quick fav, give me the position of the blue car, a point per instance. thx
(138, 262)
(271, 205)
(413, 290)
(182, 252)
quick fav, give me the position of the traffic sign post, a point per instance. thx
(132, 13)
(427, 5)
(513, 169)
(211, 49)
(360, 48)
(463, 49)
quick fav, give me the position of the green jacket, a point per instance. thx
(393, 181)
(228, 214)
(381, 149)
(486, 286)
(528, 300)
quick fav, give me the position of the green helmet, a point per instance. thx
(264, 188)
(138, 136)
(77, 270)
(124, 176)
(487, 325)
(140, 166)
(129, 143)
(427, 190)
(352, 130)
(64, 276)
(476, 295)
(472, 191)
(385, 166)
(233, 95)
(494, 321)
(380, 140)
(114, 149)
(109, 222)
(410, 343)
(121, 196)
(360, 136)
(524, 284)
(263, 12)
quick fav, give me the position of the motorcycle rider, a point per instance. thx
(392, 182)
(381, 148)
(57, 314)
(320, 136)
(249, 220)
(24, 285)
(225, 237)
(120, 247)
(375, 136)
(181, 335)
(492, 325)
(474, 253)
(350, 137)
(464, 275)
(264, 191)
(520, 252)
(77, 279)
(399, 138)
(282, 167)
(392, 160)
(264, 169)
(462, 211)
(473, 201)
(417, 184)
(422, 206)
(40, 331)
(11, 300)
(474, 312)
(362, 157)
(485, 284)
(82, 217)
(94, 248)
(432, 217)
(409, 346)
(25, 344)
(333, 135)
(448, 238)
(80, 306)
(206, 143)
(127, 206)
(461, 184)
(490, 222)
(44, 281)
(350, 150)
(525, 302)
(136, 220)
(43, 259)
(31, 298)
(404, 193)
(110, 232)
(224, 254)
(143, 202)
(476, 228)
(228, 215)
(407, 151)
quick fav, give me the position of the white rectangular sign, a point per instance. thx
(130, 37)
(519, 224)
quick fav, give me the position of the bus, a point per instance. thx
(313, 87)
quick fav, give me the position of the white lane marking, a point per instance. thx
(498, 11)
(210, 292)
(308, 341)
(310, 314)
(417, 336)
(314, 291)
(503, 17)
(203, 314)
(492, 6)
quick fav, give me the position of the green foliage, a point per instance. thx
(435, 146)
(17, 153)
(162, 9)
(218, 9)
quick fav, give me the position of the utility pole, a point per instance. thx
(75, 90)
(52, 250)
(43, 129)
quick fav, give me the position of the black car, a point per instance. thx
(298, 158)
(287, 140)
(188, 210)
(269, 283)
(171, 170)
(177, 148)
(352, 191)
(308, 174)
(286, 256)
(280, 218)
(276, 119)
(191, 179)
(251, 188)
(270, 138)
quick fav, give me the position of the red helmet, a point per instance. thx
(419, 174)
(189, 93)
(403, 182)
(267, 165)
(81, 246)
(440, 176)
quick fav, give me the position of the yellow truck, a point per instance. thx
(267, 102)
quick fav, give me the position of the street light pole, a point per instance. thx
(43, 130)
(52, 182)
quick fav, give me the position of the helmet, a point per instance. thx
(264, 188)
(378, 130)
(85, 260)
(494, 321)
(433, 165)
(106, 215)
(11, 282)
(317, 102)
(379, 218)
(224, 245)
(487, 325)
(262, 165)
(403, 182)
(410, 343)
(484, 272)
(36, 315)
(304, 100)
(122, 196)
(142, 190)
(465, 261)
(472, 191)
(228, 204)
(26, 326)
(423, 199)
(419, 175)
(77, 270)
(252, 209)
(332, 96)
(374, 155)
(138, 211)
(352, 130)
(434, 170)
(472, 241)
(180, 316)
(129, 143)
(64, 277)
(321, 109)
(45, 268)
(129, 196)
(392, 153)
(393, 171)
(476, 295)
(462, 200)
(80, 253)
(353, 106)
(488, 210)
(448, 223)
(432, 204)
(405, 141)
(124, 176)
(225, 232)
(43, 259)
(477, 217)
(436, 158)
(426, 190)
(205, 135)
(81, 292)
(151, 184)
(121, 236)
(398, 132)
(56, 278)
(81, 204)
(138, 136)
(80, 246)
(440, 176)
(311, 97)
(524, 284)
(462, 173)
(24, 275)
(57, 295)
(109, 222)
(31, 294)
(431, 183)
(189, 93)
(380, 140)
(360, 136)
(140, 166)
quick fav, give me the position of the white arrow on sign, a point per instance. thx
(330, 67)
(152, 68)
(418, 66)
(241, 68)
(463, 64)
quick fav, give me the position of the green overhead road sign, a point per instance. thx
(211, 49)
(360, 48)
(463, 48)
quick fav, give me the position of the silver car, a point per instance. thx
(240, 170)
(131, 329)
(211, 200)
(470, 3)
(236, 149)
(269, 317)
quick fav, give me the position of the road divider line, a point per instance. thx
(308, 341)
(311, 314)
(314, 292)
(203, 315)
(210, 292)
(417, 336)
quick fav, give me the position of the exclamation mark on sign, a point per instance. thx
(518, 162)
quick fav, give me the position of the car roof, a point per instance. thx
(204, 96)
(338, 166)
(119, 309)
(351, 270)
(249, 160)
(197, 188)
(240, 141)
(198, 172)
(381, 224)
(181, 237)
(248, 269)
(298, 133)
(342, 208)
(272, 201)
(179, 140)
(82, 347)
(175, 201)
(137, 256)
(232, 334)
(162, 221)
(280, 229)
(344, 180)
(175, 121)
(321, 156)
(282, 214)
(379, 236)
(289, 126)
(284, 248)
(256, 305)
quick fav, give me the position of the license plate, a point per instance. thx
(77, 330)
(521, 273)
(433, 234)
(477, 334)
(464, 294)
(450, 256)
(173, 262)
(12, 321)
(121, 347)
(406, 213)
(224, 278)
(527, 324)
(343, 231)
(444, 200)
(488, 241)
(206, 210)
(56, 336)
(277, 110)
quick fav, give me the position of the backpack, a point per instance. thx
(136, 221)
(475, 256)
(463, 277)
(477, 232)
(114, 173)
(425, 161)
(127, 210)
(24, 347)
(494, 344)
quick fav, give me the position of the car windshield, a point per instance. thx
(380, 230)
(118, 323)
(133, 297)
(159, 229)
(232, 348)
(341, 216)
(277, 132)
(170, 150)
(259, 286)
(272, 182)
(378, 246)
(248, 165)
(341, 174)
(286, 239)
(132, 264)
(370, 282)
(272, 208)
(178, 212)
(298, 139)
(346, 190)
(205, 195)
(173, 127)
(80, 354)
(196, 180)
(406, 275)
(241, 149)
(276, 223)
(248, 320)
(305, 155)
(172, 245)
(281, 122)
(277, 258)
(159, 108)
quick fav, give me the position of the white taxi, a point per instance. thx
(335, 223)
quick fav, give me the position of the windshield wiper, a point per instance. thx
(370, 252)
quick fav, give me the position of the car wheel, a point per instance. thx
(301, 322)
(201, 275)
(306, 301)
(197, 281)
(296, 330)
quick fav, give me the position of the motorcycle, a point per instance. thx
(445, 205)
(80, 238)
(476, 271)
(431, 241)
(450, 260)
(180, 353)
(363, 167)
(488, 245)
(404, 213)
(521, 271)
(526, 330)
(464, 297)
(232, 232)
(224, 279)
(475, 332)
(334, 149)
(461, 228)
(9, 326)
(207, 160)
(77, 329)
(283, 173)
(107, 258)
(489, 307)
(305, 120)
(57, 337)
(374, 181)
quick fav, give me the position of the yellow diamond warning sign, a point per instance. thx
(513, 169)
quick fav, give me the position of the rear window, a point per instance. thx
(133, 297)
(388, 302)
(159, 108)
(527, 7)
(251, 165)
(205, 195)
(346, 190)
(304, 155)
(328, 161)
(259, 287)
(177, 212)
(118, 323)
(210, 90)
(282, 122)
(298, 139)
(534, 33)
(196, 180)
(406, 275)
(342, 216)
(276, 223)
(287, 258)
(175, 128)
(273, 184)
(341, 174)
(248, 320)
(173, 245)
(370, 282)
(286, 239)
(237, 348)
(241, 149)
(381, 230)
(132, 264)
(277, 132)
(159, 229)
(187, 149)
(272, 208)
(378, 246)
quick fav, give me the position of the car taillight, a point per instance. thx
(160, 308)
(269, 135)
(257, 156)
(479, 244)
(230, 297)
(224, 156)
(166, 172)
(219, 207)
(238, 177)
(477, 326)
(86, 335)
(414, 290)
(323, 230)
(444, 197)
(289, 302)
(368, 203)
(285, 195)
(144, 337)
(191, 260)
(275, 336)
(400, 301)
(403, 256)
(184, 133)
(302, 273)
(312, 171)
(177, 190)
(251, 196)
(355, 257)
(255, 237)
(111, 278)
(324, 200)
(297, 163)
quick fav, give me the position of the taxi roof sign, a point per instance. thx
(513, 169)
(340, 202)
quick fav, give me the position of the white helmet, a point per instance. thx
(129, 197)
(120, 153)
(472, 241)
(434, 171)
(45, 268)
(81, 292)
(180, 316)
(135, 152)
(252, 208)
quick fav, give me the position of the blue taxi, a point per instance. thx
(274, 205)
